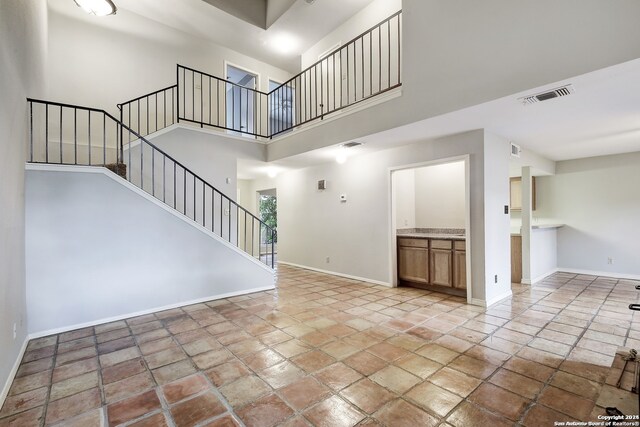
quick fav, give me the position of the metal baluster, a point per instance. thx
(104, 140)
(61, 135)
(153, 171)
(184, 181)
(46, 133)
(89, 115)
(31, 131)
(389, 50)
(75, 136)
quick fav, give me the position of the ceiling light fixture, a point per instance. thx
(284, 43)
(272, 172)
(97, 7)
(341, 157)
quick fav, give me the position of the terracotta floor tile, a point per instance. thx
(333, 412)
(151, 347)
(93, 418)
(313, 361)
(31, 418)
(212, 358)
(24, 401)
(455, 381)
(132, 408)
(76, 355)
(438, 353)
(316, 338)
(470, 415)
(201, 346)
(151, 335)
(387, 351)
(78, 344)
(540, 356)
(227, 372)
(275, 337)
(183, 388)
(164, 357)
(477, 368)
(146, 327)
(304, 393)
(245, 390)
(340, 349)
(433, 398)
(224, 421)
(281, 374)
(119, 356)
(565, 402)
(418, 365)
(292, 348)
(267, 411)
(576, 385)
(499, 401)
(529, 368)
(540, 415)
(42, 342)
(30, 382)
(516, 383)
(38, 354)
(367, 395)
(454, 343)
(156, 420)
(73, 385)
(365, 363)
(34, 367)
(74, 335)
(196, 410)
(111, 326)
(395, 379)
(73, 405)
(112, 335)
(128, 387)
(262, 359)
(338, 376)
(173, 371)
(403, 414)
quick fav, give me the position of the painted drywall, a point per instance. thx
(404, 189)
(497, 243)
(598, 199)
(356, 235)
(97, 249)
(440, 196)
(544, 253)
(23, 27)
(371, 15)
(127, 55)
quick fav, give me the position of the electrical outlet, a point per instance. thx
(609, 260)
(327, 260)
(495, 279)
(15, 331)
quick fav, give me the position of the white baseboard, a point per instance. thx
(40, 334)
(13, 372)
(599, 273)
(492, 301)
(334, 273)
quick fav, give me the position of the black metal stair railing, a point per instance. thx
(364, 67)
(73, 135)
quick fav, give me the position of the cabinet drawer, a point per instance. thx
(441, 244)
(413, 243)
(460, 245)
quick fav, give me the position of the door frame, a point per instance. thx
(393, 267)
(227, 64)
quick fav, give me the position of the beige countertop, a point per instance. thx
(433, 236)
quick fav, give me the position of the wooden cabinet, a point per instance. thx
(433, 262)
(460, 266)
(516, 259)
(515, 193)
(441, 263)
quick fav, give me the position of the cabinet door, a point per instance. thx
(460, 270)
(441, 267)
(413, 264)
(515, 193)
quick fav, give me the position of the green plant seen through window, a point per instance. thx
(268, 213)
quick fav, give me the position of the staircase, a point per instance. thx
(66, 134)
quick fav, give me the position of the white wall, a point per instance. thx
(404, 190)
(440, 196)
(371, 15)
(544, 253)
(356, 235)
(102, 62)
(23, 26)
(97, 249)
(599, 201)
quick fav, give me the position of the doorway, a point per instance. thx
(430, 227)
(268, 213)
(241, 100)
(281, 107)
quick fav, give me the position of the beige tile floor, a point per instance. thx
(327, 351)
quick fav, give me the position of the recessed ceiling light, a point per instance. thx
(97, 7)
(284, 43)
(272, 172)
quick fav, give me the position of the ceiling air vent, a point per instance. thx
(545, 96)
(351, 144)
(515, 150)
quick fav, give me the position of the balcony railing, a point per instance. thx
(364, 67)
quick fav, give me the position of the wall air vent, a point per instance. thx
(351, 144)
(515, 150)
(545, 96)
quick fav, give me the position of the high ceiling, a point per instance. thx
(240, 24)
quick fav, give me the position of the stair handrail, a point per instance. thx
(120, 160)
